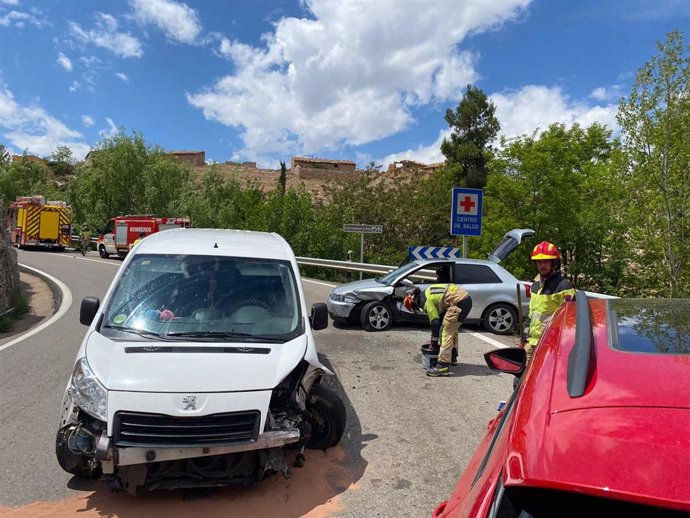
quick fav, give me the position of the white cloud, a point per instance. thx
(34, 129)
(88, 120)
(106, 36)
(19, 19)
(76, 85)
(351, 74)
(608, 93)
(122, 76)
(65, 62)
(430, 154)
(535, 107)
(110, 131)
(532, 108)
(177, 20)
(10, 2)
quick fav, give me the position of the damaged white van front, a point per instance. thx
(199, 368)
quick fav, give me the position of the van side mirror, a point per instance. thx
(319, 316)
(511, 360)
(88, 310)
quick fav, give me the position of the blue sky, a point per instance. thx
(361, 80)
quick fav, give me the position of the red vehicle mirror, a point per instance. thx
(511, 360)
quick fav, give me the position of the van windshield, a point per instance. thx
(204, 298)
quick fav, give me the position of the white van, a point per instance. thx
(199, 368)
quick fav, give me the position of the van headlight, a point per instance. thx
(87, 391)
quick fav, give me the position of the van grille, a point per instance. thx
(138, 429)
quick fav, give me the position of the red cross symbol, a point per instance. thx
(467, 204)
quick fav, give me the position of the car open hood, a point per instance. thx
(624, 452)
(510, 242)
(149, 366)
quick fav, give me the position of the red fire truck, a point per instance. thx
(33, 221)
(121, 232)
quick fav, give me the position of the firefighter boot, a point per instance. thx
(441, 369)
(454, 356)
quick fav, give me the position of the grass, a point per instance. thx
(18, 308)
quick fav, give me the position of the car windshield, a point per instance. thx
(204, 298)
(390, 278)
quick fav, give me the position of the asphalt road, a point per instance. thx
(408, 436)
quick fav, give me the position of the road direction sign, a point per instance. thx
(466, 212)
(433, 252)
(364, 229)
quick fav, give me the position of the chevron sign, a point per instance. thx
(434, 252)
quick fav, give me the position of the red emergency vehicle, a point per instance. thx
(121, 232)
(33, 221)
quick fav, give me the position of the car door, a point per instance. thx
(482, 283)
(422, 277)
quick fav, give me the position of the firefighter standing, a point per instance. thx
(549, 290)
(447, 306)
(85, 238)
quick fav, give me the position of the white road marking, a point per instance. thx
(319, 282)
(488, 340)
(64, 306)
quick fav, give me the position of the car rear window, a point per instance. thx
(658, 326)
(474, 274)
(529, 502)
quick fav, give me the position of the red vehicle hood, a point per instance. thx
(637, 454)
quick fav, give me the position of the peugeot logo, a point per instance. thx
(189, 402)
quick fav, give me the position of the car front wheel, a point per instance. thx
(102, 252)
(500, 319)
(376, 316)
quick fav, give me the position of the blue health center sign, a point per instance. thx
(466, 212)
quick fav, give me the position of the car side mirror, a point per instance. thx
(88, 310)
(319, 316)
(511, 360)
(407, 283)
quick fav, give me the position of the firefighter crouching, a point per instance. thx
(447, 306)
(549, 290)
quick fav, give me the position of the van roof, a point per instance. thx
(198, 241)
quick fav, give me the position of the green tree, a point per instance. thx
(5, 157)
(125, 175)
(61, 161)
(24, 177)
(655, 122)
(474, 127)
(562, 183)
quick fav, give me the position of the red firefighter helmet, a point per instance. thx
(411, 300)
(545, 251)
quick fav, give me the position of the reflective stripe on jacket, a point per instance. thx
(438, 297)
(545, 299)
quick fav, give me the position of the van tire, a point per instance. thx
(102, 252)
(327, 416)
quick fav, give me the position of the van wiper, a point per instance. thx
(226, 334)
(141, 332)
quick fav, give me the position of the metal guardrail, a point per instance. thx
(425, 275)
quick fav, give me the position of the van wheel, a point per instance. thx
(376, 316)
(500, 319)
(72, 463)
(327, 416)
(102, 252)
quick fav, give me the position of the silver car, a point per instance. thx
(377, 303)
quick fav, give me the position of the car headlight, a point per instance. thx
(87, 391)
(337, 297)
